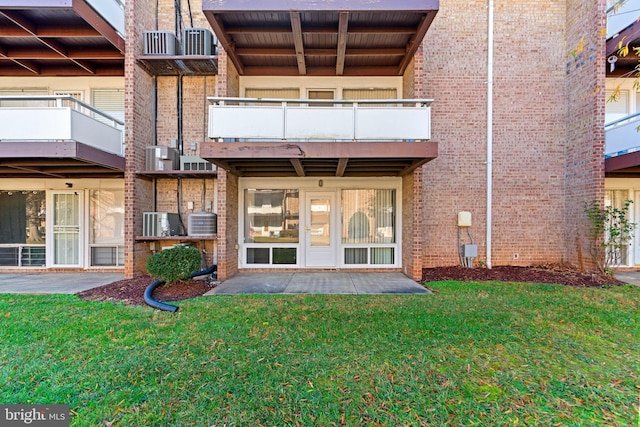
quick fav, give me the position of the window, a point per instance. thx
(616, 199)
(110, 101)
(24, 92)
(106, 227)
(368, 216)
(369, 226)
(271, 225)
(22, 235)
(618, 109)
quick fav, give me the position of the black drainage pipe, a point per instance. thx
(168, 307)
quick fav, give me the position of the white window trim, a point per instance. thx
(307, 184)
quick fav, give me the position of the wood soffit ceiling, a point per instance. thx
(66, 38)
(323, 38)
(625, 66)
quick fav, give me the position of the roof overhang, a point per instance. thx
(308, 37)
(66, 159)
(57, 38)
(318, 159)
(624, 66)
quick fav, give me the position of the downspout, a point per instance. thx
(489, 129)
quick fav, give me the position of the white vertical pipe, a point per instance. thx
(489, 129)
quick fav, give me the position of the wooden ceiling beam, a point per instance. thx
(29, 66)
(320, 30)
(320, 71)
(73, 54)
(416, 40)
(28, 26)
(342, 165)
(296, 28)
(297, 165)
(343, 24)
(58, 32)
(257, 51)
(226, 42)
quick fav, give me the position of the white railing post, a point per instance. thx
(284, 120)
(355, 121)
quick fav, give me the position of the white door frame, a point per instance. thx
(51, 231)
(324, 256)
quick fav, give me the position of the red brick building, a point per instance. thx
(350, 135)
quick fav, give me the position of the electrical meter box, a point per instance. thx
(464, 219)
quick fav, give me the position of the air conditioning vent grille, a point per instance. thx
(202, 224)
(195, 163)
(198, 42)
(159, 43)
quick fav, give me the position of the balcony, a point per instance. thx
(58, 136)
(622, 136)
(274, 137)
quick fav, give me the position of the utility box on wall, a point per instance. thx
(464, 219)
(470, 251)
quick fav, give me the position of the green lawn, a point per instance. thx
(472, 354)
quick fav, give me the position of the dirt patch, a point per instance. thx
(131, 291)
(551, 273)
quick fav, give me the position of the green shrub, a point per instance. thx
(177, 263)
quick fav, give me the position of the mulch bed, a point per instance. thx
(131, 291)
(547, 273)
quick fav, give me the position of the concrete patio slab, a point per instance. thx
(319, 283)
(251, 283)
(54, 283)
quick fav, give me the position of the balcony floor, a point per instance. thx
(342, 159)
(66, 159)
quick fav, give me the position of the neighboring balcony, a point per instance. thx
(58, 136)
(622, 136)
(271, 137)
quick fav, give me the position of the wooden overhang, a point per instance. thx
(319, 158)
(624, 66)
(320, 38)
(623, 166)
(61, 159)
(57, 38)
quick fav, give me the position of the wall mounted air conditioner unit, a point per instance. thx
(202, 224)
(160, 224)
(159, 43)
(161, 158)
(198, 42)
(195, 163)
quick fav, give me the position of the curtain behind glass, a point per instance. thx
(368, 216)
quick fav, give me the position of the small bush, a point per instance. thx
(177, 263)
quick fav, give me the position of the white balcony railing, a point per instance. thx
(59, 118)
(621, 16)
(622, 136)
(287, 119)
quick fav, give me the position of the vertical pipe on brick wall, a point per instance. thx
(489, 128)
(154, 129)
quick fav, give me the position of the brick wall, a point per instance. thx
(168, 195)
(529, 130)
(584, 164)
(138, 133)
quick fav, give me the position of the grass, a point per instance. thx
(472, 354)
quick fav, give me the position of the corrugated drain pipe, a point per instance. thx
(168, 307)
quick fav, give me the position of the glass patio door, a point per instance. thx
(66, 229)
